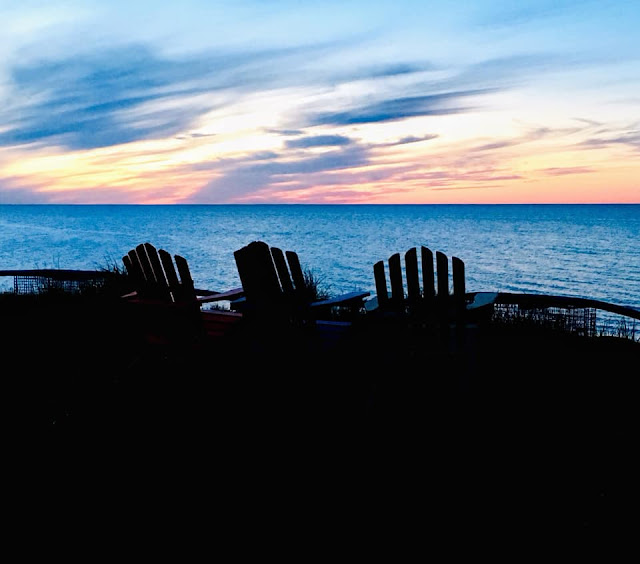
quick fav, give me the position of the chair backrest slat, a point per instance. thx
(187, 287)
(161, 287)
(395, 278)
(126, 259)
(154, 261)
(156, 266)
(283, 271)
(428, 278)
(413, 280)
(134, 261)
(170, 272)
(459, 290)
(442, 267)
(145, 265)
(257, 273)
(134, 271)
(380, 279)
(297, 274)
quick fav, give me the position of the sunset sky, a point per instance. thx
(320, 102)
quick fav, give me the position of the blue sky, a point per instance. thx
(319, 102)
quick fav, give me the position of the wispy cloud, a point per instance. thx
(629, 137)
(378, 71)
(318, 141)
(398, 108)
(112, 96)
(527, 14)
(497, 145)
(562, 171)
(241, 179)
(89, 101)
(409, 139)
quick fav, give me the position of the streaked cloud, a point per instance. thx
(250, 178)
(398, 108)
(318, 141)
(626, 137)
(115, 96)
(561, 171)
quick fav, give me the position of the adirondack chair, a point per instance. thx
(414, 311)
(274, 287)
(425, 297)
(168, 305)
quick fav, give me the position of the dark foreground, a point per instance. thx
(516, 434)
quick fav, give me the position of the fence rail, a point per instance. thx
(585, 316)
(35, 281)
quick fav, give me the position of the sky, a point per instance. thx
(347, 101)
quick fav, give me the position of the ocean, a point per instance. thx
(586, 250)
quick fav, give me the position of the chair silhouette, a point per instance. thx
(426, 295)
(274, 285)
(168, 306)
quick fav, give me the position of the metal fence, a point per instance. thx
(51, 280)
(578, 320)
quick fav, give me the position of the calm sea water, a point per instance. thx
(577, 250)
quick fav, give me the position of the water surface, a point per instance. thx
(579, 250)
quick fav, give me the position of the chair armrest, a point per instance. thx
(481, 299)
(371, 304)
(238, 304)
(350, 298)
(230, 295)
